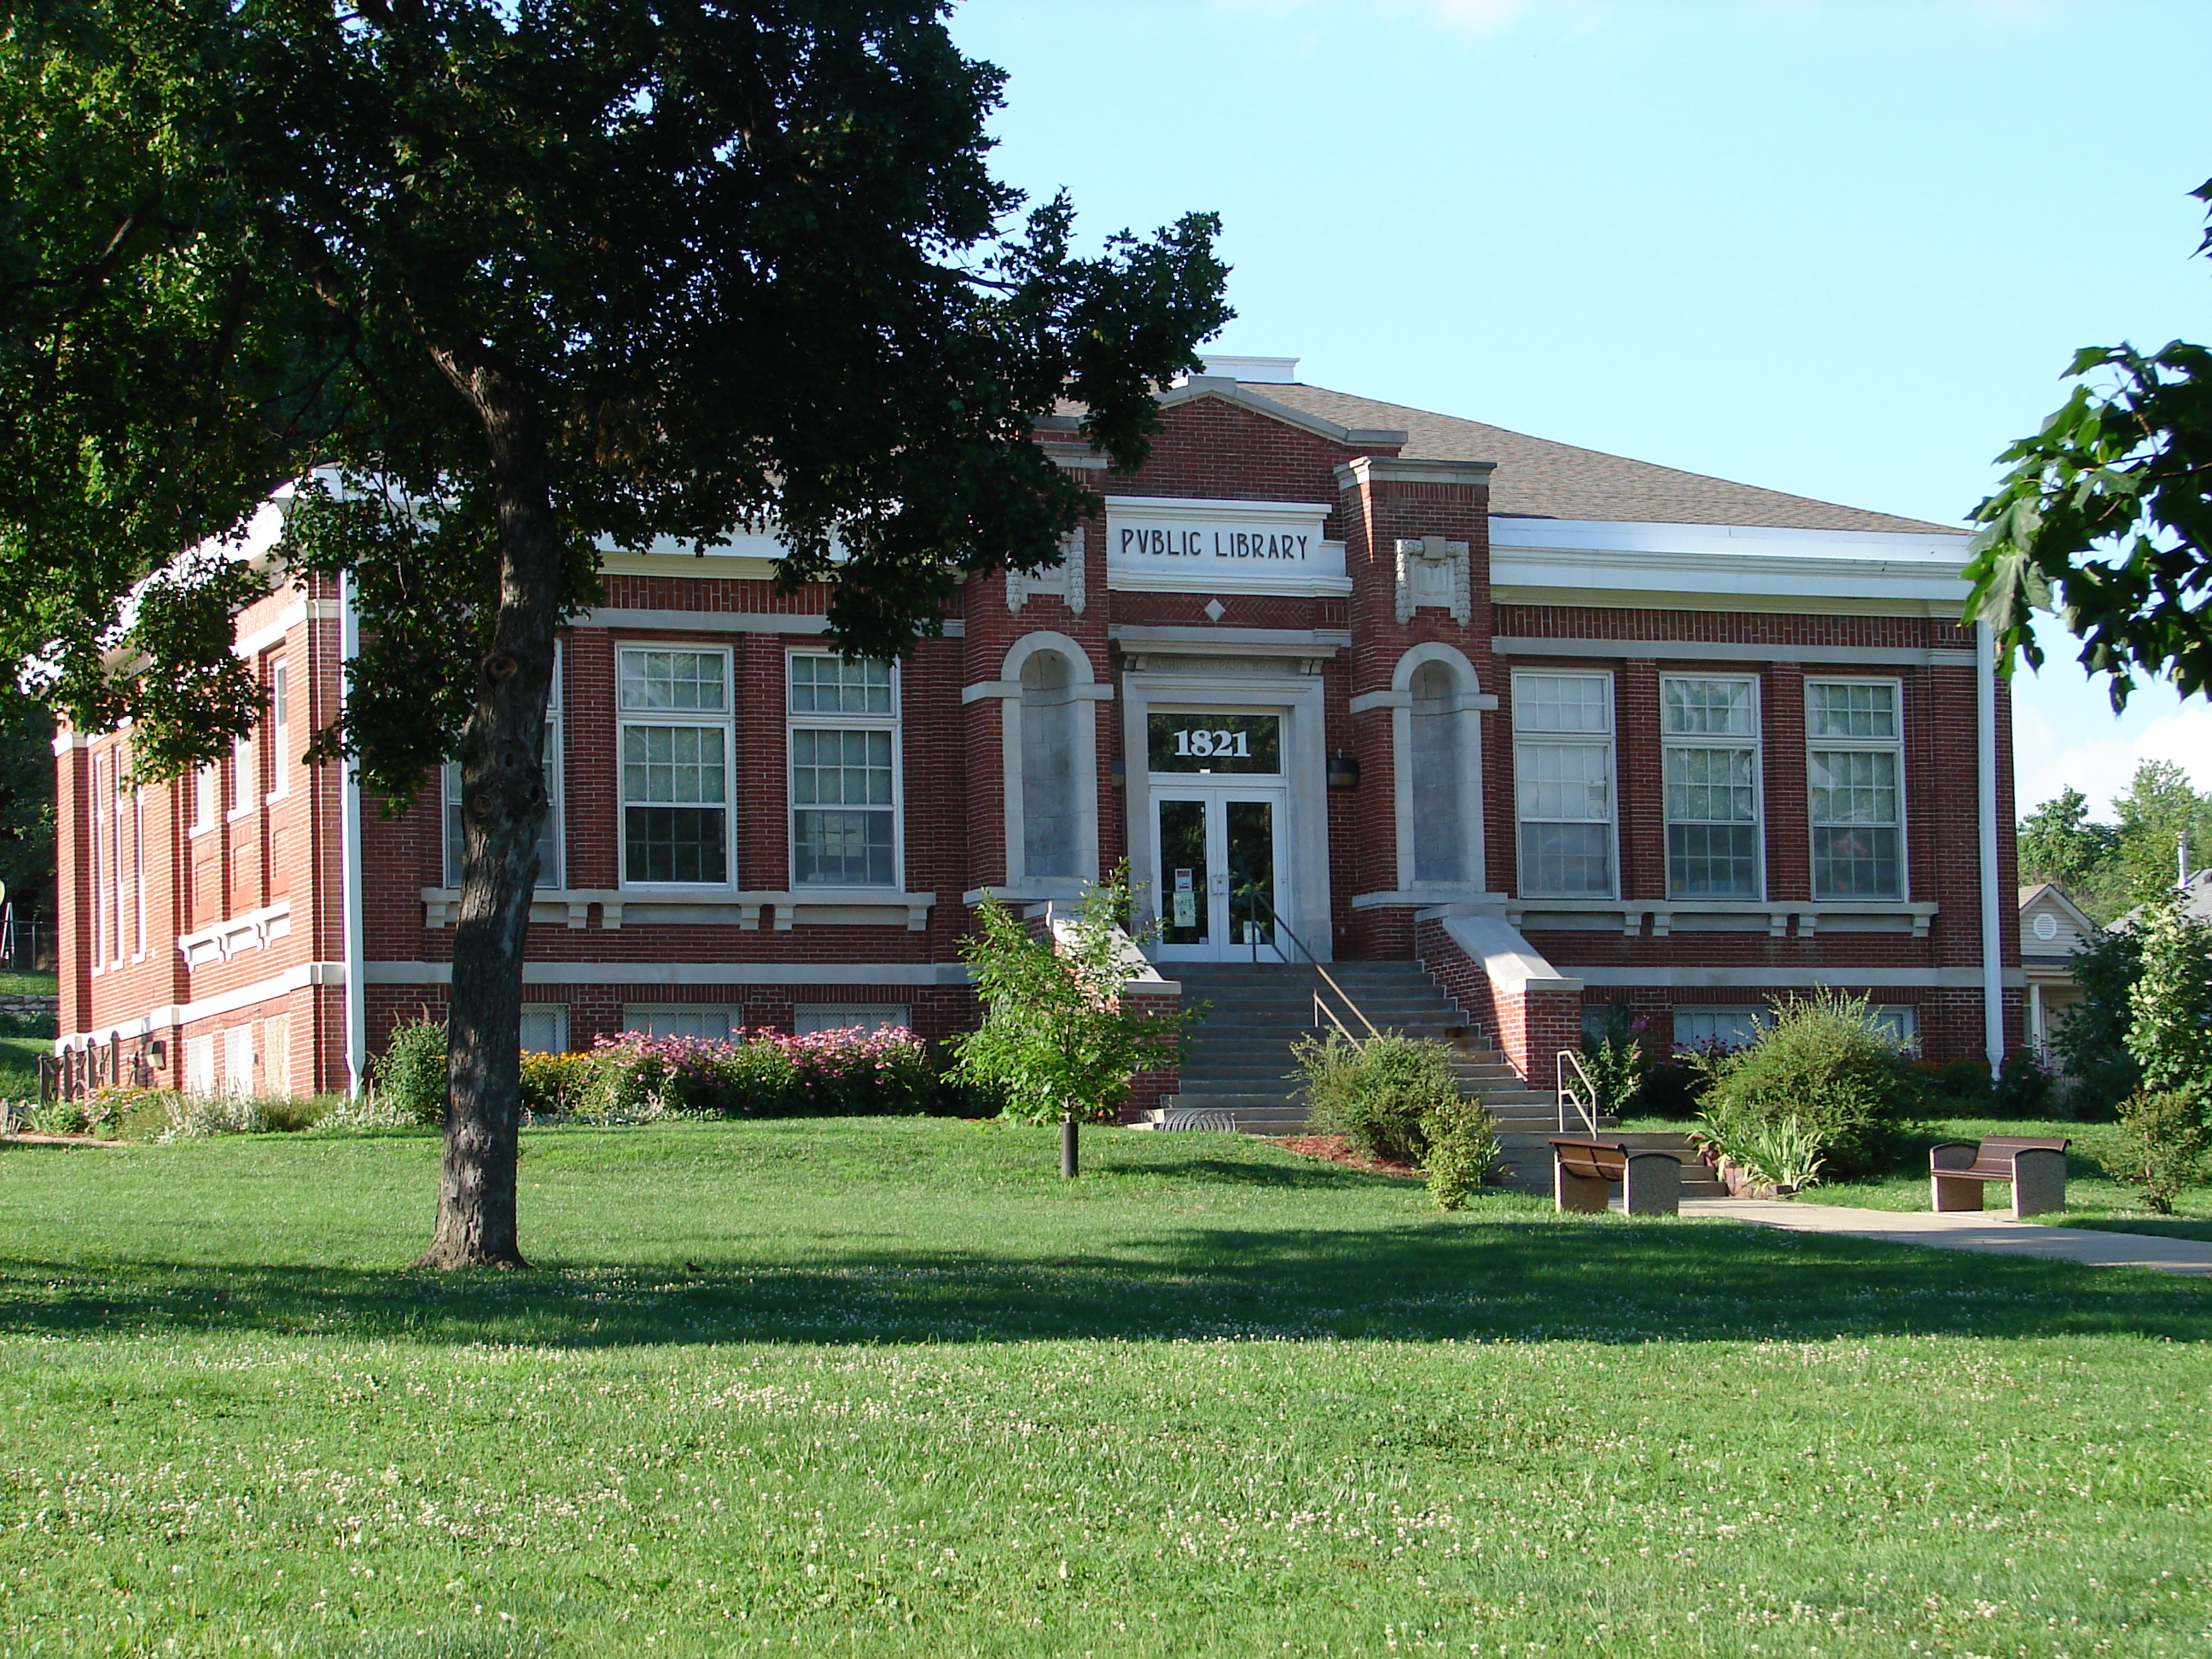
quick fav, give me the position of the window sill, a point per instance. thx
(1776, 916)
(254, 931)
(867, 906)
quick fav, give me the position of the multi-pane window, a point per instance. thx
(1563, 783)
(1855, 767)
(1710, 729)
(548, 835)
(844, 773)
(675, 743)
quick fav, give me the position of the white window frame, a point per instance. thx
(449, 790)
(277, 1054)
(207, 798)
(199, 1064)
(280, 727)
(893, 723)
(636, 1016)
(1523, 738)
(1754, 1016)
(557, 1014)
(724, 720)
(1471, 704)
(869, 1018)
(1750, 745)
(244, 778)
(1893, 745)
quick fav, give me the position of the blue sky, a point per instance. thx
(1842, 247)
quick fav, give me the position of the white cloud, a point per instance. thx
(2102, 766)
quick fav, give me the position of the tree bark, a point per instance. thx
(503, 807)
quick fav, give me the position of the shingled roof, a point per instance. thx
(1539, 479)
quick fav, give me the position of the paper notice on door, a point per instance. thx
(1186, 901)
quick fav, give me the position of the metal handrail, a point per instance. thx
(1582, 1097)
(1322, 1011)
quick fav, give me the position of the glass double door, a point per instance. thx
(1218, 852)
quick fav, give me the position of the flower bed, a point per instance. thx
(635, 1078)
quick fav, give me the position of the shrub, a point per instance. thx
(2023, 1086)
(190, 1117)
(556, 1086)
(1673, 1089)
(1463, 1150)
(411, 1073)
(1824, 1063)
(850, 1072)
(58, 1117)
(2163, 1146)
(1615, 1065)
(1377, 1093)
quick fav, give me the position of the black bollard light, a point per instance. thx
(1067, 1131)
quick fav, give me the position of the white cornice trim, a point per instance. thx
(724, 621)
(1789, 979)
(1230, 391)
(688, 973)
(1168, 640)
(1620, 563)
(1512, 645)
(1408, 468)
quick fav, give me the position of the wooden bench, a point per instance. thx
(1957, 1170)
(1584, 1173)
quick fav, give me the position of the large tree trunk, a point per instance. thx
(503, 808)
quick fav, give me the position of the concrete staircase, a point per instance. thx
(1237, 1068)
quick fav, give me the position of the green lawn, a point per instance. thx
(890, 1387)
(14, 983)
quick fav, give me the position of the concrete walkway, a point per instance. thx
(1990, 1234)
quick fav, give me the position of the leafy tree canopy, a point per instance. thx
(691, 267)
(517, 280)
(2109, 868)
(2106, 519)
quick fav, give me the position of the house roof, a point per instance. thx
(1537, 479)
(2053, 897)
(2196, 901)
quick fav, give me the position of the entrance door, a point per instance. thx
(1218, 851)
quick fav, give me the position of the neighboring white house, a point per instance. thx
(2052, 928)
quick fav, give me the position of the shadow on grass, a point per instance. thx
(1530, 1279)
(2156, 1226)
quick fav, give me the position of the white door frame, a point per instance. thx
(1302, 820)
(1215, 793)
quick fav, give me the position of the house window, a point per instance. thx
(245, 789)
(675, 743)
(280, 729)
(1438, 772)
(1563, 772)
(844, 773)
(276, 1042)
(1710, 730)
(1707, 1024)
(811, 1017)
(1898, 1021)
(545, 1028)
(237, 1060)
(199, 1065)
(1049, 826)
(1855, 765)
(206, 790)
(549, 840)
(691, 1019)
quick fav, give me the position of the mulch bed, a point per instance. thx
(1338, 1149)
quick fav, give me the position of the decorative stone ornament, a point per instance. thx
(1433, 572)
(1064, 579)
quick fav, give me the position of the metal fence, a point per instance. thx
(26, 946)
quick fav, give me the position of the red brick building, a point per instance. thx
(1339, 678)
